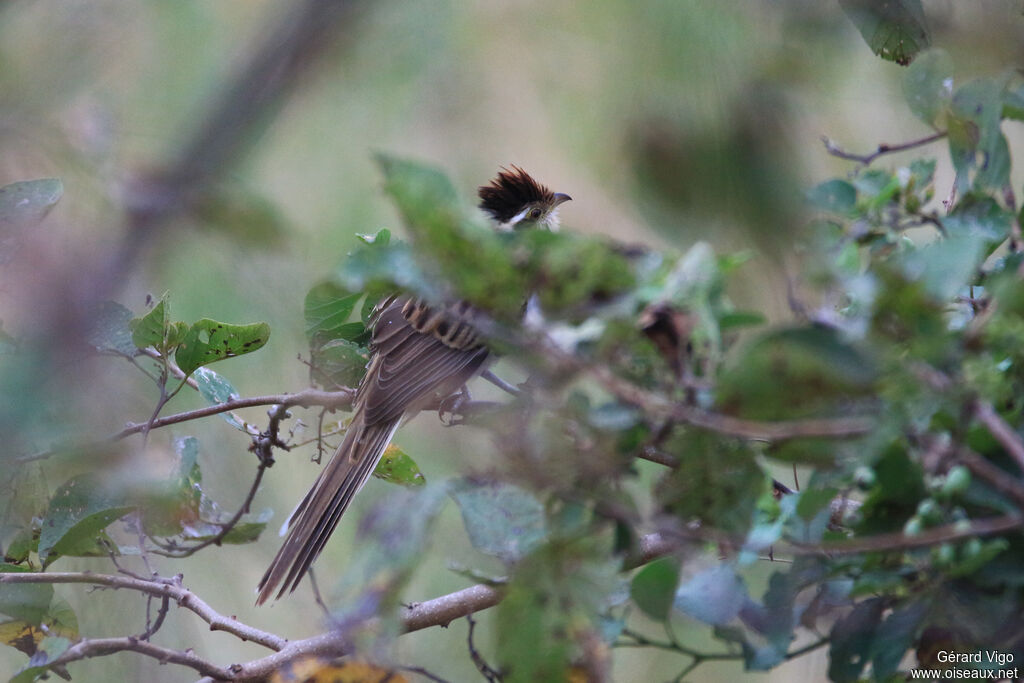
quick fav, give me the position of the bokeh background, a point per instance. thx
(668, 121)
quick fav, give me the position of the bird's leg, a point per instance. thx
(500, 383)
(450, 406)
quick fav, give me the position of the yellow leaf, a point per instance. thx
(316, 670)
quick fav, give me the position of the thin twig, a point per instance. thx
(996, 477)
(1003, 432)
(656, 406)
(491, 675)
(1016, 238)
(99, 647)
(153, 627)
(836, 151)
(897, 540)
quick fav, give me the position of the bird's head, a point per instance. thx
(515, 200)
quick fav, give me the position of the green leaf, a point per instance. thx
(392, 539)
(928, 86)
(397, 467)
(216, 389)
(1013, 102)
(242, 214)
(24, 205)
(423, 193)
(977, 146)
(151, 329)
(501, 519)
(899, 487)
(853, 639)
(110, 329)
(79, 511)
(338, 364)
(247, 531)
(878, 187)
(894, 638)
(835, 196)
(327, 309)
(947, 266)
(978, 215)
(27, 602)
(717, 481)
(796, 372)
(653, 589)
(169, 506)
(381, 238)
(714, 596)
(50, 648)
(557, 591)
(894, 29)
(208, 341)
(813, 501)
(808, 451)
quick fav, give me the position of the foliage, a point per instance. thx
(898, 381)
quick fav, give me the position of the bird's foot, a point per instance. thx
(449, 409)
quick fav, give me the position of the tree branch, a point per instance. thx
(1002, 432)
(656, 406)
(99, 647)
(171, 588)
(897, 540)
(836, 151)
(303, 399)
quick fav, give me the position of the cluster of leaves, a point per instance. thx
(167, 510)
(916, 323)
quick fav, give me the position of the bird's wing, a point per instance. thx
(417, 351)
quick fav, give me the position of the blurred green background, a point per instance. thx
(667, 121)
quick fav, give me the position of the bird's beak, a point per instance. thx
(561, 199)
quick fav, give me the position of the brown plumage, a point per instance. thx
(418, 352)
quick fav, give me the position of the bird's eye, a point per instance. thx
(535, 214)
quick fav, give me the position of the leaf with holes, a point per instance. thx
(397, 467)
(894, 29)
(208, 341)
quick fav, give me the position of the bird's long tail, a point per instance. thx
(319, 512)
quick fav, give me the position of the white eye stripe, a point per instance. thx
(518, 217)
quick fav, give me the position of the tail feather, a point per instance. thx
(320, 511)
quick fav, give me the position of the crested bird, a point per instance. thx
(418, 352)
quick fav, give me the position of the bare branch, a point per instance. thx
(897, 540)
(99, 647)
(832, 148)
(656, 406)
(169, 588)
(443, 610)
(303, 399)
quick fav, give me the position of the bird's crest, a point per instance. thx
(512, 190)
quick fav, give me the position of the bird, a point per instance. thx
(419, 352)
